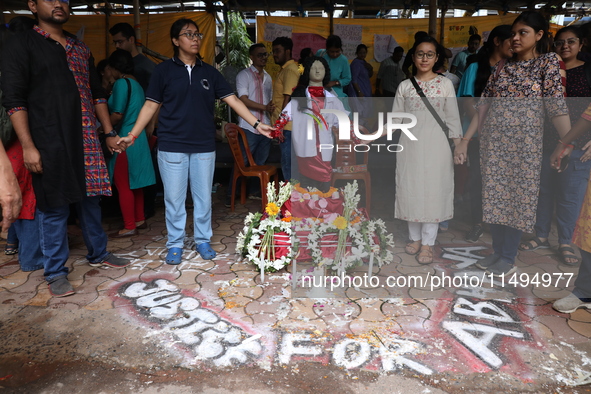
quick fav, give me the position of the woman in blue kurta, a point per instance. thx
(340, 72)
(131, 170)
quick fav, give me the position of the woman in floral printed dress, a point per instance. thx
(511, 137)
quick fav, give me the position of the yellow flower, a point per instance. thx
(272, 209)
(340, 223)
(301, 69)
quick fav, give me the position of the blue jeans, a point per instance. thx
(475, 181)
(11, 237)
(176, 169)
(286, 155)
(505, 241)
(259, 147)
(583, 282)
(566, 191)
(53, 235)
(30, 256)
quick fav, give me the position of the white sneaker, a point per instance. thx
(570, 303)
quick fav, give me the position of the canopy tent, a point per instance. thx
(94, 31)
(552, 6)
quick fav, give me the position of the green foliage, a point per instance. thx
(238, 42)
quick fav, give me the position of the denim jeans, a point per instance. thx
(259, 147)
(53, 235)
(566, 191)
(583, 282)
(30, 256)
(11, 237)
(286, 155)
(176, 169)
(505, 241)
(475, 181)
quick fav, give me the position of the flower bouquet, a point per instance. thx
(266, 238)
(340, 241)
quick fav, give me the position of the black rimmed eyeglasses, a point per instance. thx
(192, 36)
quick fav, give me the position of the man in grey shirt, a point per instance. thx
(124, 38)
(390, 74)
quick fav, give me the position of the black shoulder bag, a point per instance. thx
(444, 127)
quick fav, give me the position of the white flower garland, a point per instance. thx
(359, 236)
(356, 241)
(349, 260)
(250, 240)
(253, 247)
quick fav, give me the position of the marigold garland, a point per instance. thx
(318, 193)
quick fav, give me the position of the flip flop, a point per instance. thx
(528, 246)
(571, 255)
(206, 252)
(174, 256)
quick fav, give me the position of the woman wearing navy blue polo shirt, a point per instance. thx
(185, 88)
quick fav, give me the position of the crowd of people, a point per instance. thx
(57, 100)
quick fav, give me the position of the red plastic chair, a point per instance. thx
(263, 172)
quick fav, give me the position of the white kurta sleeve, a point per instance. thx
(451, 111)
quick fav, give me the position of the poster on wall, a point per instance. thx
(458, 35)
(307, 40)
(350, 36)
(383, 46)
(273, 30)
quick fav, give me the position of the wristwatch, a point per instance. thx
(112, 133)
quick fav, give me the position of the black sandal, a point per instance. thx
(570, 255)
(528, 246)
(11, 249)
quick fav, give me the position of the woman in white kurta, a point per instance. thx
(424, 169)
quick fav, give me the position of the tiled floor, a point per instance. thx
(462, 330)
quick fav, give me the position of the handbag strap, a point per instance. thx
(499, 67)
(444, 127)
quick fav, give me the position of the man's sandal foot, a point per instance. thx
(534, 244)
(568, 256)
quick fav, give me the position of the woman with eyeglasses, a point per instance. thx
(517, 99)
(424, 169)
(565, 189)
(185, 88)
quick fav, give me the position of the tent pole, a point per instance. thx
(442, 25)
(226, 34)
(433, 18)
(136, 25)
(107, 35)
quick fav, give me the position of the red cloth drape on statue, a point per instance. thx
(314, 167)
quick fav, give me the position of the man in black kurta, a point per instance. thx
(53, 96)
